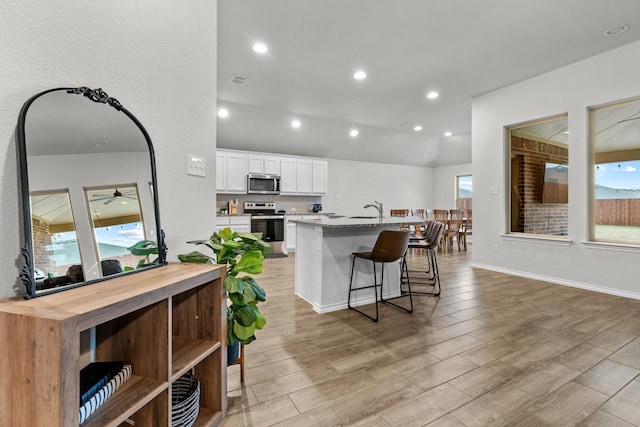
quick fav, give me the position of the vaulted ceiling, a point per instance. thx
(460, 49)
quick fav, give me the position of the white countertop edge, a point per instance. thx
(347, 222)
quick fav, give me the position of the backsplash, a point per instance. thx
(291, 204)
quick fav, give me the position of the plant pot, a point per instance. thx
(233, 353)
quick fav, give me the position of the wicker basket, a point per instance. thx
(185, 401)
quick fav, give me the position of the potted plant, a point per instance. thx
(243, 253)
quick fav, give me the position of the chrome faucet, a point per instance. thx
(378, 206)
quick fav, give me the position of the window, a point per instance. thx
(615, 157)
(464, 187)
(539, 168)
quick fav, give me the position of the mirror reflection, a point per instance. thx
(55, 244)
(85, 142)
(117, 225)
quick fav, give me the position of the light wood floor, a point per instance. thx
(492, 350)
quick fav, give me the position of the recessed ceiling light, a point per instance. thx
(260, 48)
(616, 30)
(433, 95)
(354, 133)
(223, 112)
(566, 131)
(295, 124)
(359, 75)
(448, 134)
(417, 128)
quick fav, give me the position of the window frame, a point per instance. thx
(509, 157)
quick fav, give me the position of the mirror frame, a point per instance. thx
(27, 271)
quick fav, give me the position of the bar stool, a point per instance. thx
(429, 276)
(390, 246)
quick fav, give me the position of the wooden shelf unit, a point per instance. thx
(164, 322)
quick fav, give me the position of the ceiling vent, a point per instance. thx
(402, 123)
(238, 80)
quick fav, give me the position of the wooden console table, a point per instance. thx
(164, 322)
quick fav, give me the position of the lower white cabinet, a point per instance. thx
(236, 223)
(290, 230)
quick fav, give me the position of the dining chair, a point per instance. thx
(442, 215)
(467, 228)
(399, 212)
(390, 246)
(453, 228)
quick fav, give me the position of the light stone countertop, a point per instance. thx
(350, 222)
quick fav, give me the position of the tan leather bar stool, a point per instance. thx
(390, 246)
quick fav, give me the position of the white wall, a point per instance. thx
(602, 79)
(445, 185)
(354, 184)
(158, 58)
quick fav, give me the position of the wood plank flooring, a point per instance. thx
(492, 350)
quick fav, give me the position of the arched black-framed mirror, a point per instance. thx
(89, 191)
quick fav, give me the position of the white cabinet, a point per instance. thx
(236, 223)
(290, 235)
(319, 177)
(288, 176)
(303, 176)
(231, 172)
(259, 163)
(221, 171)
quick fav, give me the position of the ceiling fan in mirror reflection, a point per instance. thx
(110, 197)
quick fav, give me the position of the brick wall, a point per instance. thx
(533, 216)
(42, 247)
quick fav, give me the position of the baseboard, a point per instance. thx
(343, 305)
(555, 280)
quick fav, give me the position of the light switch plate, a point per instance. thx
(493, 189)
(195, 165)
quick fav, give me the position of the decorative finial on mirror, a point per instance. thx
(97, 95)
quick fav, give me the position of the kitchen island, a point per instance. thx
(323, 259)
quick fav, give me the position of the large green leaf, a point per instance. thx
(261, 295)
(250, 263)
(233, 285)
(260, 320)
(196, 257)
(247, 236)
(243, 332)
(144, 248)
(244, 315)
(225, 234)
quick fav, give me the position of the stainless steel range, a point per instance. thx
(265, 220)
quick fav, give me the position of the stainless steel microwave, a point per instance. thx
(263, 184)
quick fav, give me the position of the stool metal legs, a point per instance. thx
(428, 277)
(375, 287)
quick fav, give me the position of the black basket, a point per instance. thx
(185, 401)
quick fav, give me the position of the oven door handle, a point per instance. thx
(257, 217)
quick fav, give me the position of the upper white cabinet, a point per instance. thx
(231, 172)
(319, 177)
(264, 164)
(301, 176)
(288, 176)
(221, 171)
